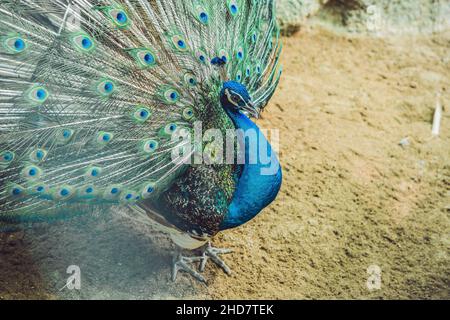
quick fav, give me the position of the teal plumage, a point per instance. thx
(91, 92)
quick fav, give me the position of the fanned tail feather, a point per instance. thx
(92, 91)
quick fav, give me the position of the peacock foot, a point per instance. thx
(212, 253)
(182, 263)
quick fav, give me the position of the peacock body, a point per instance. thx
(92, 93)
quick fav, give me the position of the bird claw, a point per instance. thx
(213, 253)
(181, 263)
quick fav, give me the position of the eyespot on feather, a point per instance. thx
(64, 192)
(83, 42)
(37, 94)
(117, 15)
(168, 130)
(202, 15)
(233, 7)
(38, 155)
(142, 114)
(65, 135)
(223, 54)
(106, 87)
(112, 192)
(144, 57)
(170, 95)
(104, 138)
(14, 44)
(148, 190)
(188, 114)
(201, 56)
(129, 197)
(6, 158)
(149, 147)
(93, 172)
(239, 76)
(31, 172)
(190, 80)
(179, 42)
(16, 190)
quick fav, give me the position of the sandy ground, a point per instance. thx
(352, 196)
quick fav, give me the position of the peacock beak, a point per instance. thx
(251, 110)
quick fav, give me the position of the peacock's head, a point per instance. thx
(234, 97)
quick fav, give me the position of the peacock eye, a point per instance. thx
(223, 54)
(179, 43)
(202, 15)
(188, 114)
(129, 196)
(31, 172)
(64, 192)
(112, 192)
(170, 129)
(142, 114)
(148, 190)
(144, 57)
(147, 58)
(104, 138)
(119, 17)
(106, 88)
(233, 7)
(87, 191)
(38, 155)
(65, 135)
(240, 53)
(16, 190)
(150, 146)
(39, 189)
(190, 80)
(171, 96)
(83, 42)
(15, 44)
(6, 158)
(254, 37)
(201, 56)
(258, 69)
(93, 172)
(248, 71)
(239, 76)
(38, 94)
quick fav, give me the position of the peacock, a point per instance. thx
(102, 103)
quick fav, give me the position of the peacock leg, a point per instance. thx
(212, 253)
(182, 263)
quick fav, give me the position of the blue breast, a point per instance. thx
(261, 178)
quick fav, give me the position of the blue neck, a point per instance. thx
(261, 178)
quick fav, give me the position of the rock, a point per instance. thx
(292, 13)
(405, 142)
(378, 17)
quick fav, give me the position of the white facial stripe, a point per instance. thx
(228, 94)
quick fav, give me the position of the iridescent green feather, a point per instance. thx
(91, 92)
